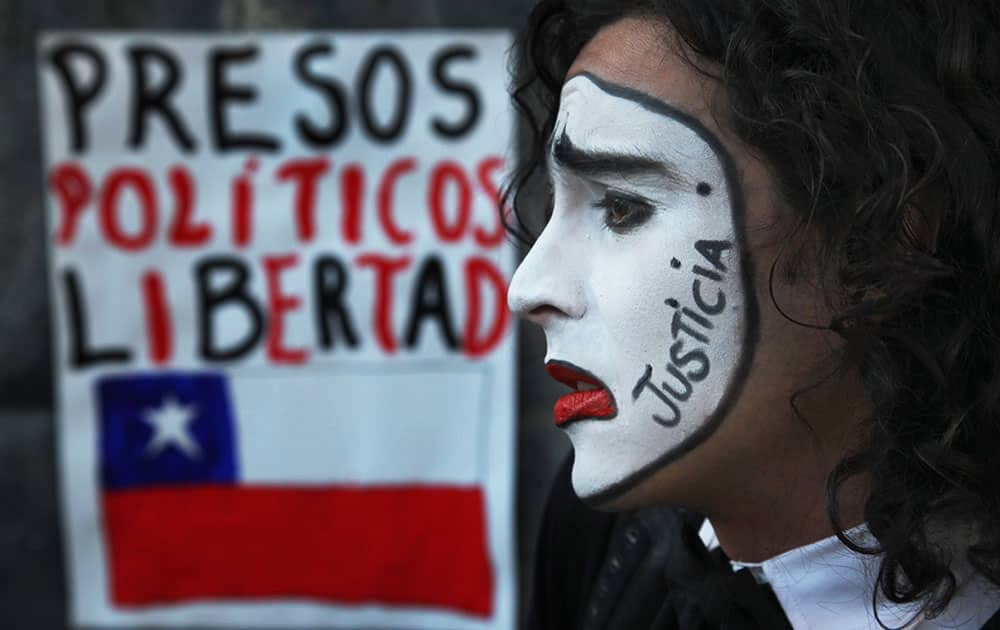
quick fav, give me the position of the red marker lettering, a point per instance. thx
(484, 174)
(443, 173)
(477, 269)
(118, 181)
(385, 192)
(158, 325)
(184, 232)
(73, 190)
(385, 272)
(278, 305)
(305, 174)
(352, 186)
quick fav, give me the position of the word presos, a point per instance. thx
(156, 75)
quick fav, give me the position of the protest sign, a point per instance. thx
(283, 357)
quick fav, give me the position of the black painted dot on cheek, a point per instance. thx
(676, 264)
(704, 189)
(672, 303)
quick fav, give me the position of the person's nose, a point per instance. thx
(548, 283)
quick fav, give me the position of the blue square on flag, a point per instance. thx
(165, 428)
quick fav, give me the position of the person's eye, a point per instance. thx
(624, 212)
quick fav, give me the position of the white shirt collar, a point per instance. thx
(826, 585)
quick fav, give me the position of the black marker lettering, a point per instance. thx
(404, 88)
(234, 292)
(681, 359)
(645, 382)
(697, 358)
(707, 273)
(712, 252)
(708, 309)
(330, 282)
(701, 319)
(466, 89)
(150, 99)
(79, 97)
(683, 395)
(82, 354)
(637, 388)
(678, 325)
(332, 91)
(430, 300)
(221, 94)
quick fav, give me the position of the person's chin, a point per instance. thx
(604, 477)
(612, 495)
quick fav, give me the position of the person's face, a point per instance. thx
(643, 279)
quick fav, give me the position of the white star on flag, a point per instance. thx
(171, 424)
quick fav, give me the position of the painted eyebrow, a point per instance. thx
(599, 164)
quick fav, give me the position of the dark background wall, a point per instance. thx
(32, 589)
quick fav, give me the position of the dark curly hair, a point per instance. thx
(880, 123)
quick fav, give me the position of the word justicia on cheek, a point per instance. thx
(690, 330)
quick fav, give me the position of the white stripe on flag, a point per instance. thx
(338, 427)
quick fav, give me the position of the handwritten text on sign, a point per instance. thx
(370, 226)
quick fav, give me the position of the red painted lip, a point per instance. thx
(593, 404)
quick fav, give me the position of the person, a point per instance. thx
(769, 273)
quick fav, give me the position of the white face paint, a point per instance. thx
(640, 283)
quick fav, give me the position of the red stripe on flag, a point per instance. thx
(405, 545)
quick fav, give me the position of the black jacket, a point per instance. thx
(608, 571)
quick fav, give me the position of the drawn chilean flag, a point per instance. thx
(215, 487)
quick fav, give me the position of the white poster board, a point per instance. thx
(284, 360)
